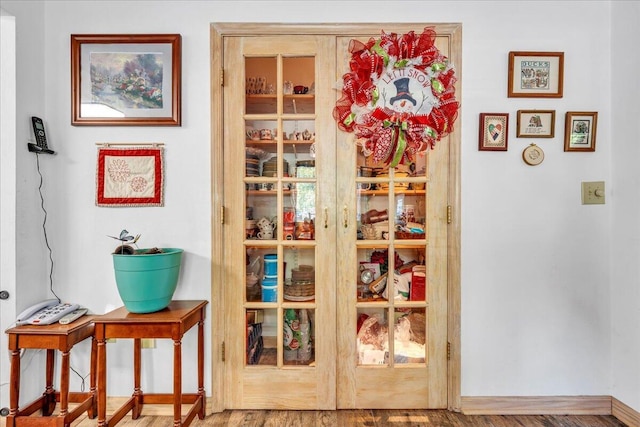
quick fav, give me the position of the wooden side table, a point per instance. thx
(51, 337)
(171, 322)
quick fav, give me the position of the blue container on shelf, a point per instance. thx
(270, 289)
(271, 265)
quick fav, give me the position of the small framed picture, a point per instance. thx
(494, 131)
(536, 123)
(535, 74)
(580, 131)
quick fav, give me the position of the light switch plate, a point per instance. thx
(593, 193)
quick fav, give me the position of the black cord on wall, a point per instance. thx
(44, 227)
(46, 240)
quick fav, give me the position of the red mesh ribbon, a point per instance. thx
(380, 129)
(386, 129)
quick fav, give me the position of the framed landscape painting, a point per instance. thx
(121, 79)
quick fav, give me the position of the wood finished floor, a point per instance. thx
(368, 418)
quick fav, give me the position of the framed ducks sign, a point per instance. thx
(399, 97)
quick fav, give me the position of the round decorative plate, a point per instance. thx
(533, 155)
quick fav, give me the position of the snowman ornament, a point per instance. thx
(413, 95)
(403, 102)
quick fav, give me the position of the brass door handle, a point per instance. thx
(345, 213)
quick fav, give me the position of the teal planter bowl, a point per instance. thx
(146, 282)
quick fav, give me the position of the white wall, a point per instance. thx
(536, 264)
(7, 187)
(24, 262)
(625, 230)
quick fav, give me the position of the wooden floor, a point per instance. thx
(368, 418)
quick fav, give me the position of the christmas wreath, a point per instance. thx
(399, 97)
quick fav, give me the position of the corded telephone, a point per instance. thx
(47, 312)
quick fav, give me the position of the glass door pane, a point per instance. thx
(284, 237)
(394, 241)
(260, 85)
(280, 206)
(391, 270)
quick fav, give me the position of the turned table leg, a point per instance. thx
(137, 390)
(64, 384)
(49, 402)
(177, 382)
(102, 380)
(201, 393)
(14, 391)
(93, 410)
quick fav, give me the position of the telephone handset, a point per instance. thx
(41, 138)
(45, 312)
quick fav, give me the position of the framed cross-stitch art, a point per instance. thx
(580, 131)
(536, 123)
(494, 131)
(535, 74)
(126, 79)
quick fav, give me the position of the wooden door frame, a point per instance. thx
(220, 30)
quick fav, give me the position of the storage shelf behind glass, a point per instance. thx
(288, 145)
(293, 104)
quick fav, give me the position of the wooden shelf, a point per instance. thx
(400, 243)
(370, 301)
(292, 104)
(386, 192)
(270, 145)
(266, 193)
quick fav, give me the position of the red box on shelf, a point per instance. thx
(418, 289)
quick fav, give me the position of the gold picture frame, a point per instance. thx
(126, 79)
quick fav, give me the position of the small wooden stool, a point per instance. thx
(51, 337)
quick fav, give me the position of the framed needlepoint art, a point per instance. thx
(494, 130)
(580, 131)
(536, 123)
(535, 74)
(130, 176)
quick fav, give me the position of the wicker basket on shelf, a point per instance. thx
(302, 286)
(299, 290)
